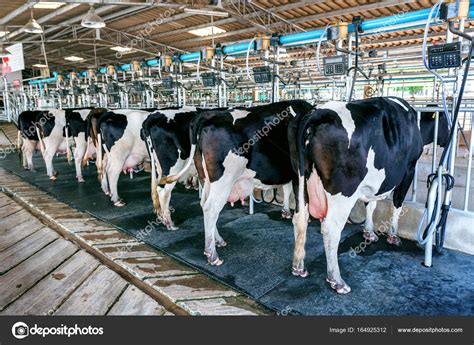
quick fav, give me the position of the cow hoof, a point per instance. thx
(172, 227)
(370, 236)
(286, 214)
(81, 179)
(221, 244)
(341, 288)
(215, 262)
(119, 203)
(394, 240)
(299, 272)
(53, 178)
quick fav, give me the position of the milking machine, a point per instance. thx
(447, 56)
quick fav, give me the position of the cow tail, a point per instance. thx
(68, 148)
(156, 173)
(42, 147)
(302, 128)
(99, 161)
(194, 130)
(18, 141)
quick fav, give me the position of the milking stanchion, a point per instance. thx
(448, 56)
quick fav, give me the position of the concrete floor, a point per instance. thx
(384, 280)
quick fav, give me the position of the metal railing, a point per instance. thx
(462, 194)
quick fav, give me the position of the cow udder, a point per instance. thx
(318, 204)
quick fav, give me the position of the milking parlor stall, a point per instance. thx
(236, 157)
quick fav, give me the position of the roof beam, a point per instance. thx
(14, 14)
(47, 17)
(148, 3)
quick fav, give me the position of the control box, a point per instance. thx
(93, 89)
(208, 79)
(445, 55)
(262, 74)
(138, 86)
(335, 65)
(168, 83)
(112, 88)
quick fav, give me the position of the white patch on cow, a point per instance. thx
(127, 152)
(238, 114)
(344, 114)
(399, 103)
(369, 187)
(292, 112)
(171, 113)
(83, 113)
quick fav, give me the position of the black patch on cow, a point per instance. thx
(74, 122)
(46, 122)
(112, 126)
(268, 152)
(427, 127)
(27, 124)
(168, 136)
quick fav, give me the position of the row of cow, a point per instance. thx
(331, 156)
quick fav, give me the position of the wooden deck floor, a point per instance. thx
(42, 273)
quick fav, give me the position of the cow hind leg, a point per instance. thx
(79, 151)
(164, 194)
(114, 169)
(285, 212)
(339, 208)
(300, 226)
(399, 195)
(215, 202)
(369, 233)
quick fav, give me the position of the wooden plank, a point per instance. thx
(198, 286)
(152, 267)
(16, 281)
(11, 233)
(135, 302)
(96, 295)
(223, 306)
(46, 296)
(9, 209)
(24, 248)
(107, 237)
(126, 250)
(5, 200)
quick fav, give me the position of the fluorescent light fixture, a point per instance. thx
(49, 5)
(32, 27)
(206, 12)
(3, 33)
(123, 50)
(40, 65)
(92, 20)
(74, 58)
(207, 31)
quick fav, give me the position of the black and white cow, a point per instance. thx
(55, 129)
(428, 124)
(235, 151)
(344, 152)
(122, 149)
(166, 133)
(28, 141)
